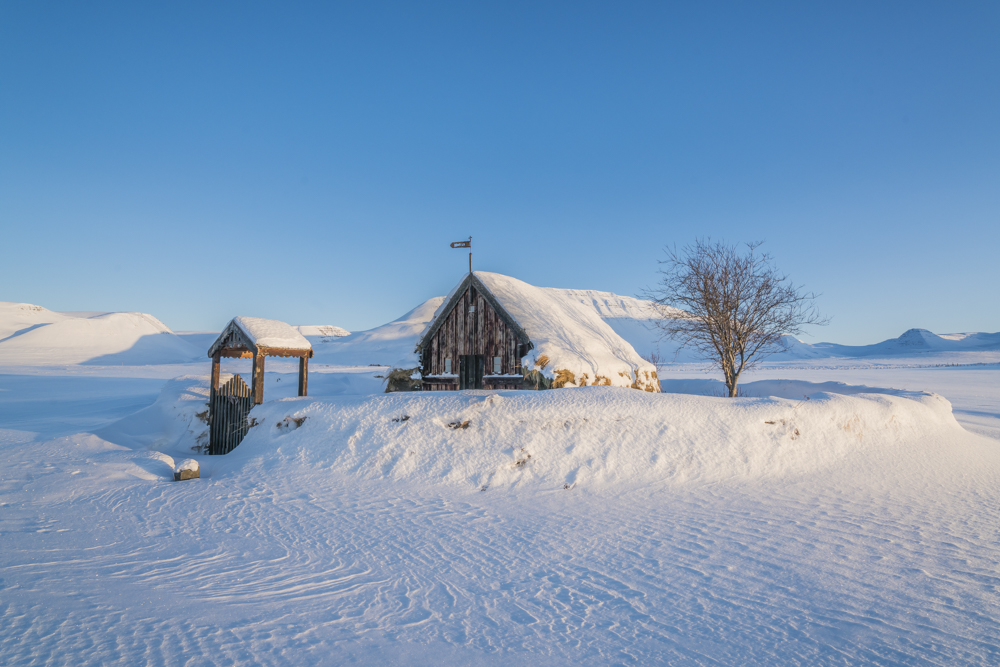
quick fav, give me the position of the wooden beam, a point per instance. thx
(235, 353)
(216, 367)
(303, 375)
(258, 379)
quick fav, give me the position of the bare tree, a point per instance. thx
(733, 306)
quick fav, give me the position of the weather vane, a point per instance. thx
(465, 244)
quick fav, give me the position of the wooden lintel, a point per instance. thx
(281, 352)
(236, 354)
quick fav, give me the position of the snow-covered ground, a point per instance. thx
(808, 522)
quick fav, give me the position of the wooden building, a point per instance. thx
(496, 332)
(473, 343)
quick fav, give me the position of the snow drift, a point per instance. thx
(592, 437)
(37, 336)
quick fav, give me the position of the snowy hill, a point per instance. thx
(391, 344)
(634, 320)
(36, 336)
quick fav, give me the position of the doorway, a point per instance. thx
(471, 368)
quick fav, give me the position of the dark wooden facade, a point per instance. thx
(473, 344)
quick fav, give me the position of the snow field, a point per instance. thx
(858, 528)
(273, 559)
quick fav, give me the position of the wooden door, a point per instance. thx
(471, 369)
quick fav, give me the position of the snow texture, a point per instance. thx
(842, 513)
(616, 527)
(272, 333)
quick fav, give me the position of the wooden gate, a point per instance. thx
(230, 406)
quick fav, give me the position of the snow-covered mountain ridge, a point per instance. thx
(31, 335)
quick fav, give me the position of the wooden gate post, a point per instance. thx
(258, 379)
(213, 385)
(303, 375)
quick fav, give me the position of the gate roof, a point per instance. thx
(249, 336)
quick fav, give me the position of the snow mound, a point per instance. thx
(590, 437)
(176, 422)
(107, 339)
(391, 344)
(568, 335)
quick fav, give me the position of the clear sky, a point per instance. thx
(312, 162)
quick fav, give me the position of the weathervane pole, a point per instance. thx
(465, 244)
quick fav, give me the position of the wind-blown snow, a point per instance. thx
(642, 529)
(857, 528)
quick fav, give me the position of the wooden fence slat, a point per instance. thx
(229, 406)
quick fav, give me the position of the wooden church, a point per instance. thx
(497, 332)
(472, 343)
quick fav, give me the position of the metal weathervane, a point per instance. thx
(465, 244)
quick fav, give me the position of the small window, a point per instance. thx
(447, 366)
(496, 365)
(472, 309)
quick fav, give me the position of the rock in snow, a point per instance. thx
(187, 469)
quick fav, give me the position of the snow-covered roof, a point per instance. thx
(566, 334)
(257, 333)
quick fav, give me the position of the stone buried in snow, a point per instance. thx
(187, 469)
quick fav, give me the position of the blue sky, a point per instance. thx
(312, 163)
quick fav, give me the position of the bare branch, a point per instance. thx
(734, 306)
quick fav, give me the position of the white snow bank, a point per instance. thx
(41, 337)
(568, 334)
(176, 422)
(591, 437)
(272, 333)
(391, 344)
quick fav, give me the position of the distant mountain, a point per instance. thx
(31, 335)
(914, 342)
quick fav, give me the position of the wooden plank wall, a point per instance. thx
(482, 332)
